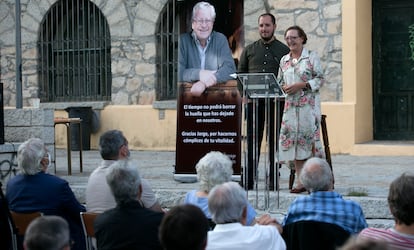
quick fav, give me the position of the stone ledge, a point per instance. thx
(64, 105)
(373, 207)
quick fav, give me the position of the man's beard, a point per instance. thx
(267, 39)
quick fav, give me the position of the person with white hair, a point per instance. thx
(324, 204)
(212, 169)
(34, 190)
(227, 203)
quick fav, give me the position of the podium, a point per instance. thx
(210, 122)
(262, 88)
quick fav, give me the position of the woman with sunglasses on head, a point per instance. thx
(301, 76)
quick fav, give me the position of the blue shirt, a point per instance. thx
(202, 203)
(329, 207)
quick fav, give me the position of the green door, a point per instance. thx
(393, 69)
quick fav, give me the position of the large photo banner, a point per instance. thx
(210, 122)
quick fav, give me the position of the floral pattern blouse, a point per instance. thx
(300, 134)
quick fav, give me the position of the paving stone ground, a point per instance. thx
(366, 175)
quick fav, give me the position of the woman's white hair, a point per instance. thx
(213, 169)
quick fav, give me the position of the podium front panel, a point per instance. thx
(211, 122)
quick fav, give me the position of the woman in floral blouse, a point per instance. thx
(301, 77)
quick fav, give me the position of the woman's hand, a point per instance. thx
(293, 88)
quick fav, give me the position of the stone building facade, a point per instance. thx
(132, 26)
(340, 31)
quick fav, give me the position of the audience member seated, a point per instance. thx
(129, 225)
(365, 244)
(184, 227)
(314, 235)
(113, 146)
(36, 190)
(401, 204)
(323, 204)
(48, 232)
(212, 169)
(228, 207)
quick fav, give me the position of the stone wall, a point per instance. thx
(132, 26)
(23, 124)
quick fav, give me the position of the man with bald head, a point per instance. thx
(324, 204)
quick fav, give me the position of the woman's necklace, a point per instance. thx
(294, 59)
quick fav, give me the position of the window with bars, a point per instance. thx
(74, 53)
(167, 51)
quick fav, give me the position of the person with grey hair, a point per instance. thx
(205, 57)
(48, 232)
(212, 169)
(323, 204)
(227, 203)
(113, 146)
(35, 190)
(129, 225)
(401, 204)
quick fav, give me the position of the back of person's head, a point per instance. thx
(204, 6)
(316, 175)
(110, 143)
(184, 227)
(48, 232)
(213, 169)
(354, 243)
(401, 199)
(124, 181)
(30, 155)
(227, 202)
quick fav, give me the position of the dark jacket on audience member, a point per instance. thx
(50, 195)
(128, 226)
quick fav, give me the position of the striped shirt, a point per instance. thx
(329, 207)
(395, 240)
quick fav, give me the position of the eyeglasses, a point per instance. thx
(291, 38)
(206, 21)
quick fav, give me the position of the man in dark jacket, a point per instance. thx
(129, 225)
(36, 190)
